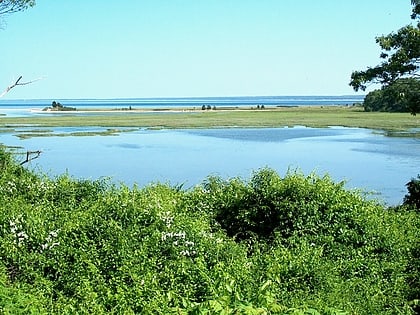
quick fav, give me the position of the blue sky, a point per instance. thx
(189, 48)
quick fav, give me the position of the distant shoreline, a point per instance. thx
(245, 108)
(196, 102)
(167, 109)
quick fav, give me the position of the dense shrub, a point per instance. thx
(270, 245)
(412, 198)
(270, 206)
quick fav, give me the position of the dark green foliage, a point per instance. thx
(402, 95)
(412, 199)
(270, 206)
(12, 6)
(273, 245)
(416, 9)
(403, 60)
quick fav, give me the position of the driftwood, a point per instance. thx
(31, 155)
(17, 83)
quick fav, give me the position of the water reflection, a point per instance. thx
(367, 160)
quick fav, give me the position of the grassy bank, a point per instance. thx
(269, 117)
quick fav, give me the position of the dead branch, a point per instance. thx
(31, 155)
(18, 83)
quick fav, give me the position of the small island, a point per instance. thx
(58, 107)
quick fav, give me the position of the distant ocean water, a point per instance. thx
(187, 102)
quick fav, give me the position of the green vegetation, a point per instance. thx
(26, 134)
(403, 95)
(271, 245)
(412, 198)
(58, 107)
(398, 73)
(12, 6)
(351, 116)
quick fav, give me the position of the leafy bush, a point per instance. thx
(412, 198)
(292, 245)
(270, 206)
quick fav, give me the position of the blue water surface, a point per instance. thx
(367, 160)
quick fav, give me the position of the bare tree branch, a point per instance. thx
(31, 155)
(18, 83)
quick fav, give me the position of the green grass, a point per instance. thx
(48, 133)
(276, 117)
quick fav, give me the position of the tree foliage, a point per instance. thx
(401, 59)
(413, 196)
(416, 9)
(12, 6)
(400, 96)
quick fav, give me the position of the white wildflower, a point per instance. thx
(54, 244)
(188, 253)
(22, 235)
(54, 233)
(167, 218)
(17, 231)
(13, 227)
(166, 235)
(11, 186)
(49, 241)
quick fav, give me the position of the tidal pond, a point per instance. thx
(365, 159)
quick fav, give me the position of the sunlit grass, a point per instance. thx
(269, 117)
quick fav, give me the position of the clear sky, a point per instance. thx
(188, 48)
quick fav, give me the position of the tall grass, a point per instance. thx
(273, 117)
(299, 244)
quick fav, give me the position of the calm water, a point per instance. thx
(366, 160)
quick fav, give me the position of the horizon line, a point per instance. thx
(184, 97)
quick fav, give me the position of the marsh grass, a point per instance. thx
(350, 116)
(27, 134)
